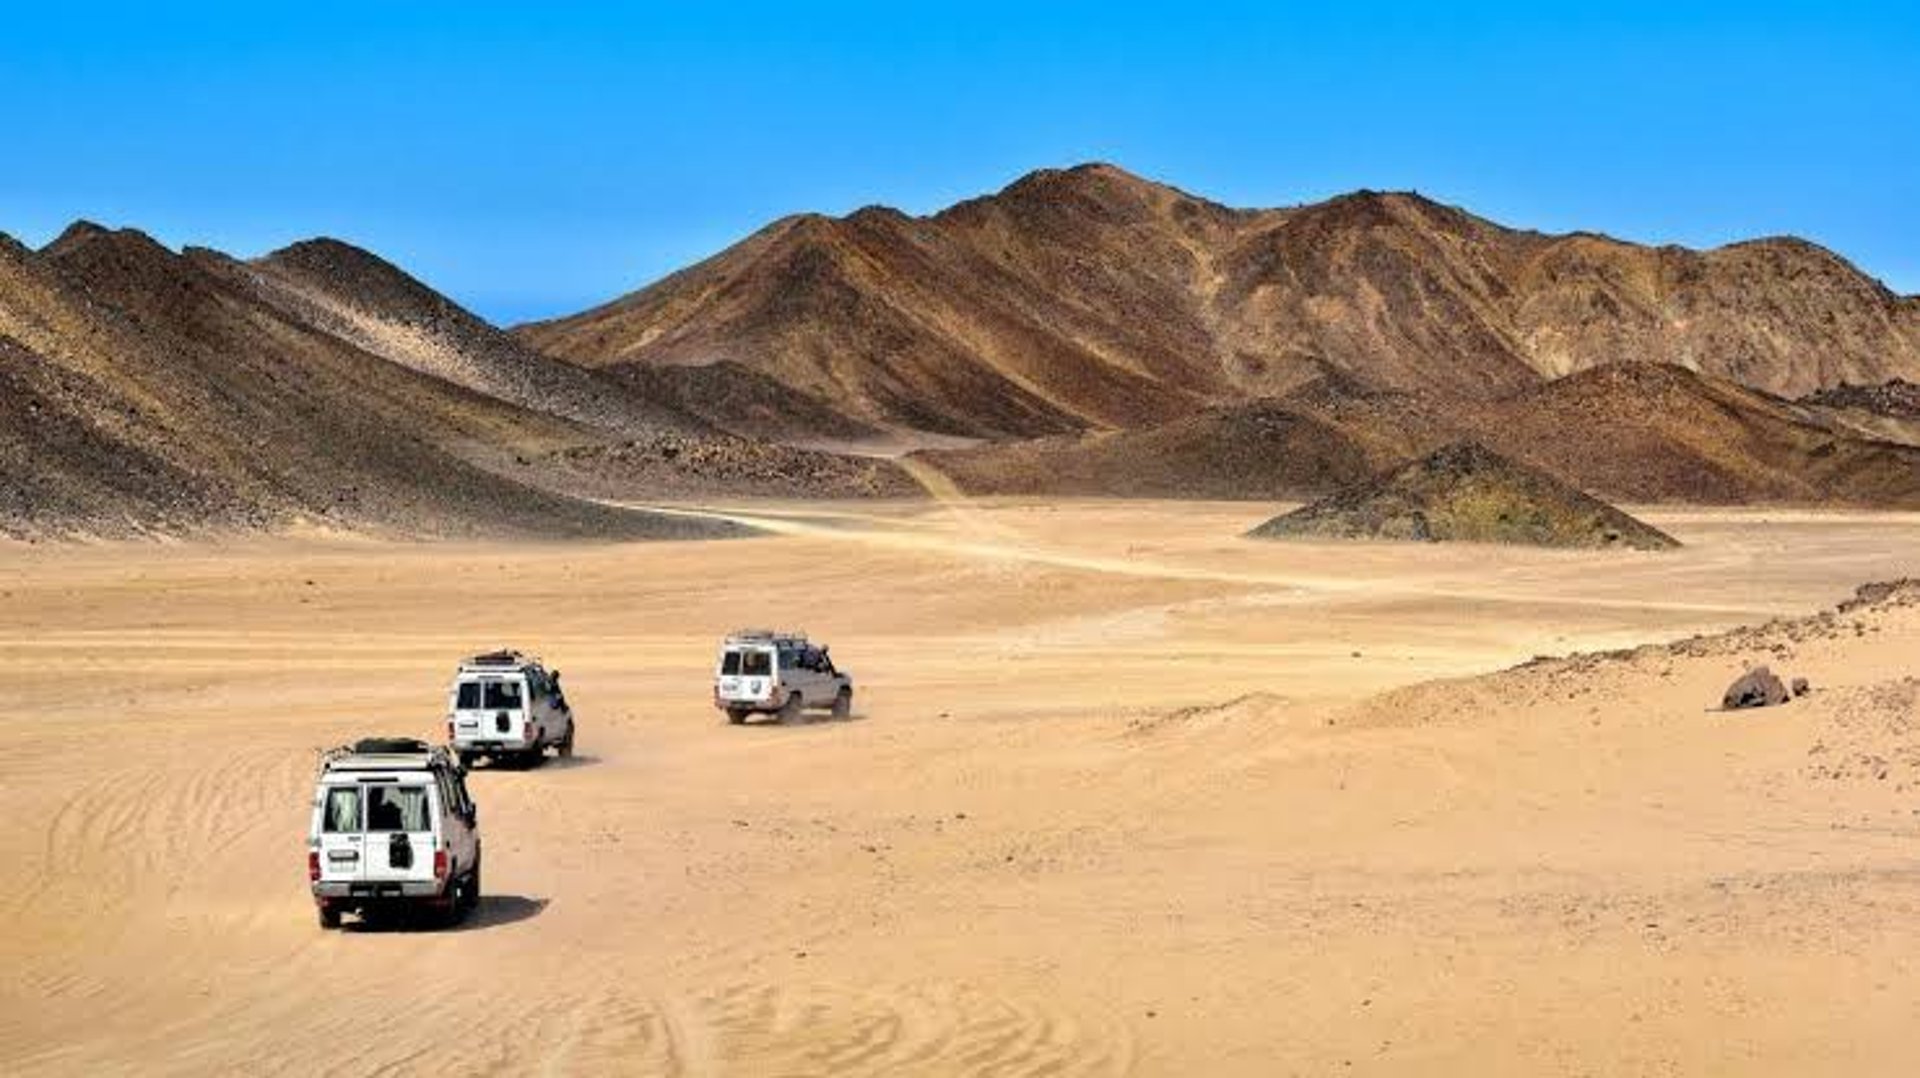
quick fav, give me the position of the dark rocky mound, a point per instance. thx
(681, 465)
(1467, 493)
(1897, 398)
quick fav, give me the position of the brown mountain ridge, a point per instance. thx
(1089, 298)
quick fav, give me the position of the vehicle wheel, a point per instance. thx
(466, 761)
(473, 884)
(736, 715)
(566, 743)
(329, 917)
(460, 902)
(843, 703)
(790, 710)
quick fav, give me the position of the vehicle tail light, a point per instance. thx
(449, 729)
(313, 866)
(439, 864)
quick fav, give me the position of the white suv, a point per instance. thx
(766, 672)
(392, 829)
(505, 705)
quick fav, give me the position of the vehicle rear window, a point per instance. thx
(342, 813)
(756, 663)
(502, 694)
(491, 695)
(730, 663)
(397, 808)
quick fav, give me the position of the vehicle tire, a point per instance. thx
(736, 715)
(459, 902)
(566, 743)
(473, 889)
(843, 703)
(466, 760)
(329, 917)
(791, 708)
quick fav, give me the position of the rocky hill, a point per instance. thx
(147, 391)
(1629, 432)
(1467, 493)
(1090, 299)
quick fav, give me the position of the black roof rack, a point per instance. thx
(386, 746)
(500, 657)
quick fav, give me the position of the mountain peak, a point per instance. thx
(83, 234)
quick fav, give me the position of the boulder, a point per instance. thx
(1755, 688)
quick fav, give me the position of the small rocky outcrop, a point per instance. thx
(1756, 688)
(1465, 492)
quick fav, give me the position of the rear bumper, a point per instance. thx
(483, 747)
(353, 893)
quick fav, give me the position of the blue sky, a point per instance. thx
(533, 162)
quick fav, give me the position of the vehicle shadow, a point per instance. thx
(493, 911)
(807, 718)
(568, 763)
(497, 910)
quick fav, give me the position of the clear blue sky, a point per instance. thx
(531, 163)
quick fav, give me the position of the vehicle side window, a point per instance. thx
(342, 813)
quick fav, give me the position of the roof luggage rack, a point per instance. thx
(436, 756)
(743, 636)
(497, 657)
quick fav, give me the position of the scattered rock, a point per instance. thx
(1755, 688)
(1800, 686)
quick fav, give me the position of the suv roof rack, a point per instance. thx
(497, 657)
(388, 754)
(744, 636)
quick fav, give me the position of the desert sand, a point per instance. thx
(1123, 793)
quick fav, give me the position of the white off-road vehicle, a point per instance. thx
(507, 706)
(392, 830)
(765, 672)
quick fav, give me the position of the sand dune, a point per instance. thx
(1123, 794)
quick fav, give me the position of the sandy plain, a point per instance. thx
(1123, 793)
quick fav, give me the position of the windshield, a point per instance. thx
(491, 695)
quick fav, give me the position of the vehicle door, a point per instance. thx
(544, 701)
(401, 828)
(339, 829)
(800, 676)
(456, 821)
(746, 674)
(492, 707)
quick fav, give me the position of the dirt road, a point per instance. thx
(1042, 845)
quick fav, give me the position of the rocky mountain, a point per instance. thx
(1465, 492)
(145, 391)
(1090, 299)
